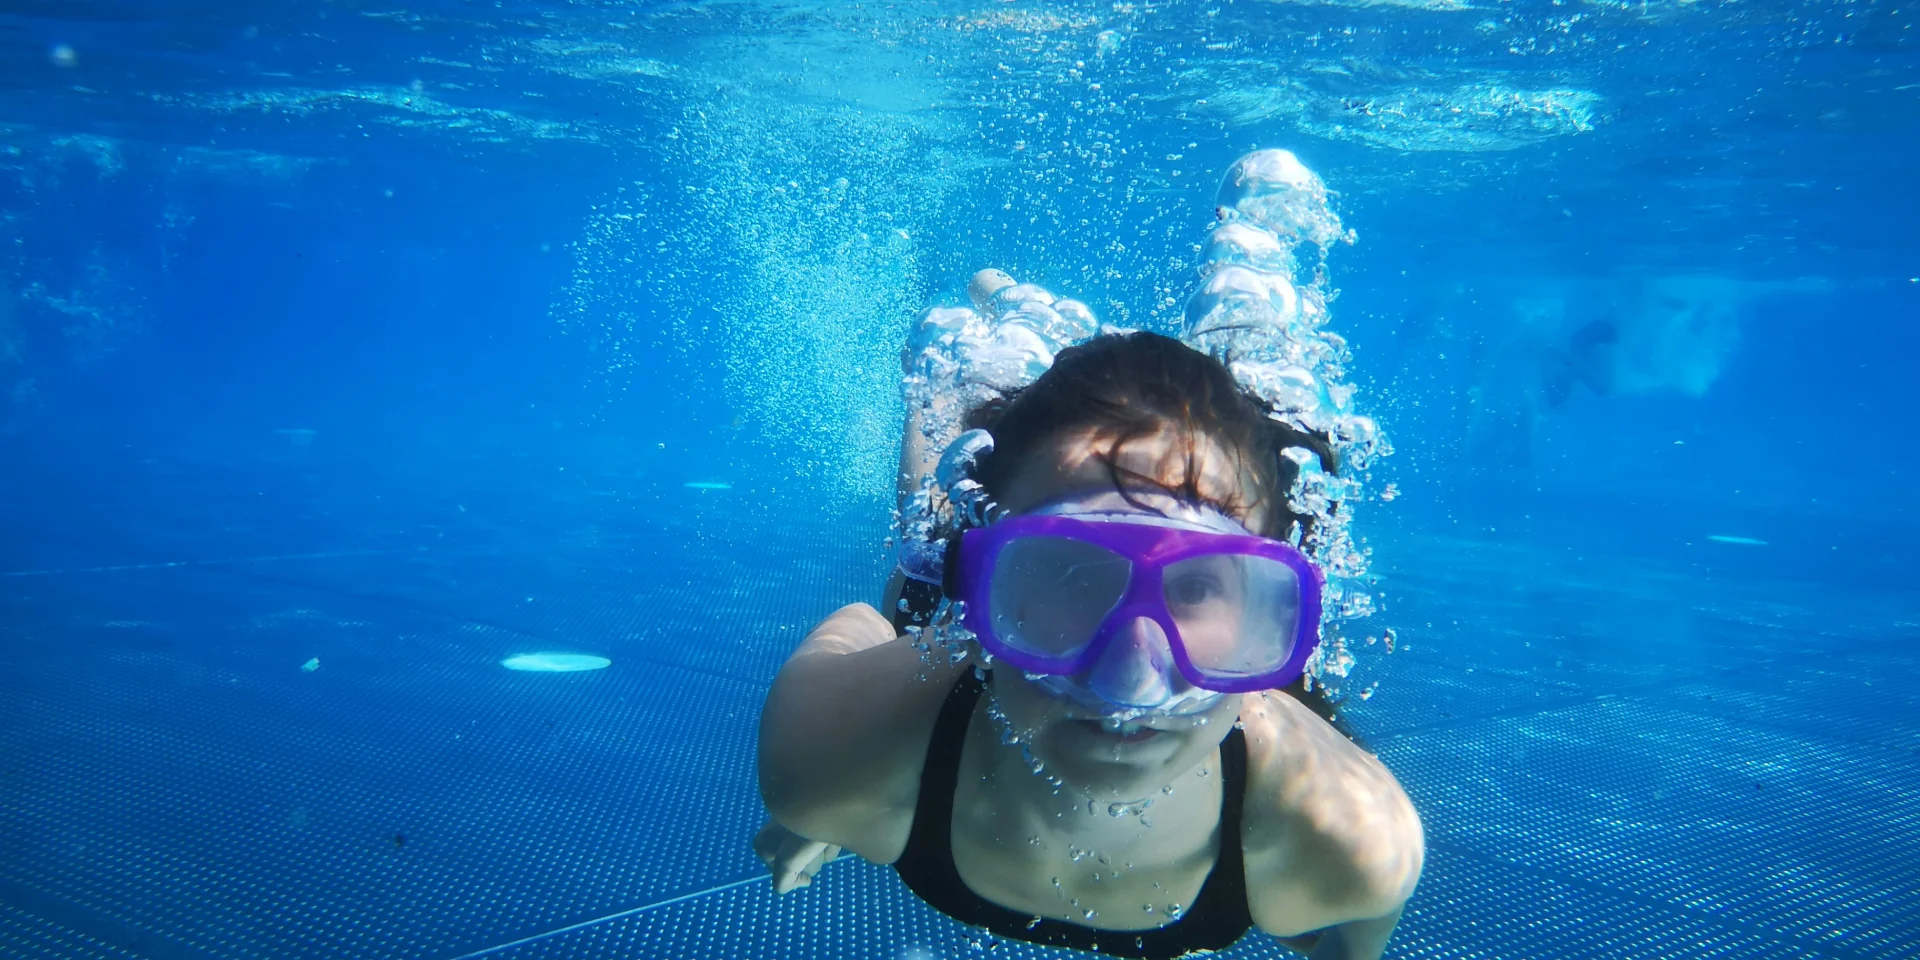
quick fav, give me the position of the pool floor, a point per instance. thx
(239, 731)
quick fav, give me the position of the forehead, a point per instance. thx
(1075, 464)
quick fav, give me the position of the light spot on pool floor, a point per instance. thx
(1742, 541)
(555, 662)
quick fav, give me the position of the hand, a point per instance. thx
(1357, 939)
(792, 858)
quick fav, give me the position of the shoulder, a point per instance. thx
(1329, 835)
(844, 732)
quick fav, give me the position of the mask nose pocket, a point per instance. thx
(1137, 669)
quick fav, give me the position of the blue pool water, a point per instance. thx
(349, 351)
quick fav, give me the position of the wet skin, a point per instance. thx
(1328, 836)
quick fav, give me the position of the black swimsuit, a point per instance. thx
(1217, 918)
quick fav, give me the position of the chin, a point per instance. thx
(1122, 766)
(1127, 764)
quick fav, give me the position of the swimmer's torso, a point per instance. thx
(844, 742)
(1083, 866)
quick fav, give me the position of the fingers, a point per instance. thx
(827, 856)
(809, 861)
(781, 849)
(800, 867)
(816, 856)
(792, 859)
(799, 870)
(767, 843)
(819, 858)
(788, 881)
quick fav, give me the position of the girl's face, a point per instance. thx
(1078, 739)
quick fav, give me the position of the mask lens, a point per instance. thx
(1238, 614)
(1050, 594)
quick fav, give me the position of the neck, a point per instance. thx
(1043, 806)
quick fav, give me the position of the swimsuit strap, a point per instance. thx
(1217, 918)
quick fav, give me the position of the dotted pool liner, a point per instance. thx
(173, 784)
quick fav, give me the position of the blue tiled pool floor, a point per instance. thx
(1623, 763)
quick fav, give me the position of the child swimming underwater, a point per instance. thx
(1093, 750)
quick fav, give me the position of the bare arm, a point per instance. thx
(844, 734)
(1357, 939)
(1331, 839)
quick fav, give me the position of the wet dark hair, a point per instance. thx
(1127, 386)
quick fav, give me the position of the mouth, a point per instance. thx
(1118, 731)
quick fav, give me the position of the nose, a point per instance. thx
(1137, 669)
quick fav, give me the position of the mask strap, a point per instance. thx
(958, 474)
(933, 557)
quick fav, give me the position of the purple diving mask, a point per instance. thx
(1052, 594)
